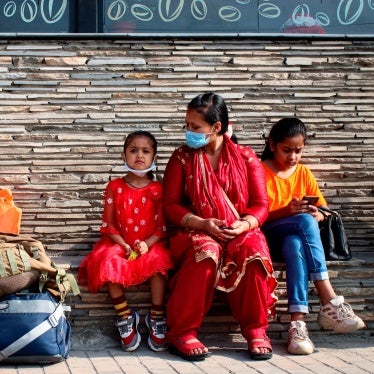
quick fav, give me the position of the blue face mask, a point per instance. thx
(197, 139)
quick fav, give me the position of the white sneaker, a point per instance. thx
(298, 339)
(339, 316)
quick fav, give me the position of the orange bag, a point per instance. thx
(10, 215)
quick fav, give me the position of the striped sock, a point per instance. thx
(121, 307)
(157, 311)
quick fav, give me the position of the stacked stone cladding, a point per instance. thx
(67, 104)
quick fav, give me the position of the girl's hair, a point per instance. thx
(213, 108)
(284, 128)
(130, 137)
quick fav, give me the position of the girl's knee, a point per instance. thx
(292, 246)
(307, 222)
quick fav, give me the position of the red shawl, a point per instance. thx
(206, 189)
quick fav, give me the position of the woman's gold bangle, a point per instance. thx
(188, 219)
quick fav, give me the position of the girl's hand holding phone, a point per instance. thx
(304, 205)
(308, 204)
(312, 200)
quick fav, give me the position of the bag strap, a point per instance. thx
(43, 278)
(50, 322)
(324, 210)
(12, 261)
(66, 282)
(3, 272)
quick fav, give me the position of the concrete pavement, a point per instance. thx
(336, 354)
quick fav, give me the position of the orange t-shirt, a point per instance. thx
(282, 191)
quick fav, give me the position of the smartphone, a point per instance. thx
(226, 228)
(312, 200)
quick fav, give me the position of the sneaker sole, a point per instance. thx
(154, 348)
(328, 325)
(137, 336)
(300, 350)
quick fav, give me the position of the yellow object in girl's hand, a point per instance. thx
(132, 256)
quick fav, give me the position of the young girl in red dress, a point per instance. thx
(133, 246)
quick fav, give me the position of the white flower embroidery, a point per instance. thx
(119, 190)
(136, 210)
(136, 228)
(130, 201)
(130, 221)
(143, 222)
(109, 200)
(104, 224)
(144, 200)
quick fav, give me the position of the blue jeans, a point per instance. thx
(297, 238)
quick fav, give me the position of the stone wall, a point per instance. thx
(66, 105)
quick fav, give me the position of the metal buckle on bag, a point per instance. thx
(53, 320)
(56, 315)
(4, 305)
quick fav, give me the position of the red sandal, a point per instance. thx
(260, 342)
(181, 348)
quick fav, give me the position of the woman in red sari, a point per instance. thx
(215, 198)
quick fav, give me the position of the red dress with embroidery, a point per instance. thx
(135, 214)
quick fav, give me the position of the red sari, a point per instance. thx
(191, 185)
(137, 215)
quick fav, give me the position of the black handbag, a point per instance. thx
(333, 236)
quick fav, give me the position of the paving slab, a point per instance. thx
(347, 355)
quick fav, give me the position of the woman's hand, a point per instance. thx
(212, 226)
(217, 229)
(236, 228)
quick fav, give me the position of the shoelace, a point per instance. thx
(344, 311)
(158, 327)
(126, 327)
(300, 332)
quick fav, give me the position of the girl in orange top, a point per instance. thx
(292, 232)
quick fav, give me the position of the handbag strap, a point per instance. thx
(324, 210)
(50, 322)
